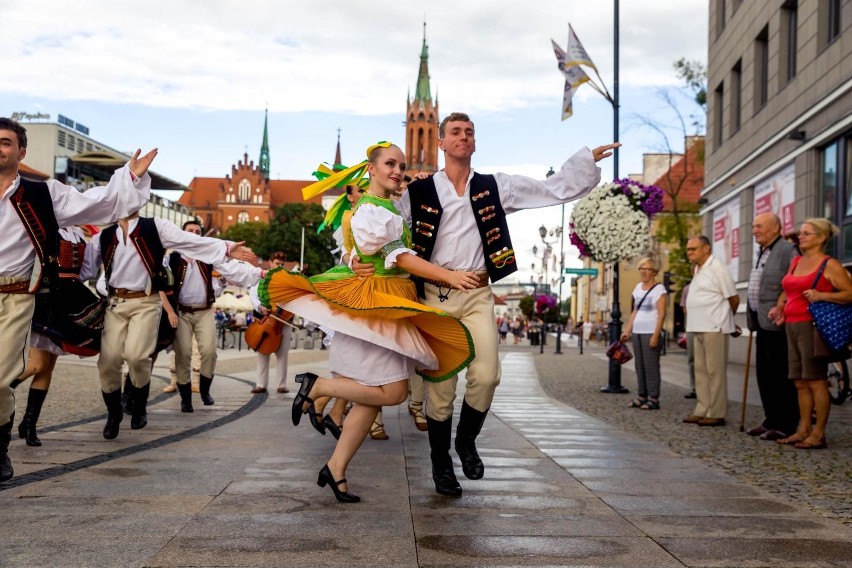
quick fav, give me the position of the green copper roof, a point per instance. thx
(263, 162)
(422, 92)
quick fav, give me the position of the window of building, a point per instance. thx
(88, 147)
(789, 41)
(736, 96)
(718, 115)
(60, 138)
(79, 145)
(244, 191)
(242, 217)
(721, 16)
(71, 141)
(836, 193)
(828, 22)
(761, 69)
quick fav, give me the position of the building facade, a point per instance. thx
(779, 134)
(65, 151)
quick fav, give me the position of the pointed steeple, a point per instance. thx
(337, 158)
(422, 92)
(263, 162)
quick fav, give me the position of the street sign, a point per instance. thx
(582, 271)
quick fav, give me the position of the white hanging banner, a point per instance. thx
(777, 194)
(726, 236)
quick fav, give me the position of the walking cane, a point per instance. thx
(745, 381)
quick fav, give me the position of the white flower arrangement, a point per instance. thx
(612, 223)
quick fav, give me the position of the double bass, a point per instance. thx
(264, 335)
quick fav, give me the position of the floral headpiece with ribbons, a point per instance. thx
(339, 176)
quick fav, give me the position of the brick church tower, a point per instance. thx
(421, 121)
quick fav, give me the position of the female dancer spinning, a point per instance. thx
(381, 332)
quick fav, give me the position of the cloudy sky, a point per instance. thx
(194, 78)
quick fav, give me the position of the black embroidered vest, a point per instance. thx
(490, 218)
(146, 239)
(32, 202)
(179, 267)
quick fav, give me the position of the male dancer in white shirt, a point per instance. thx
(196, 285)
(471, 234)
(132, 253)
(31, 214)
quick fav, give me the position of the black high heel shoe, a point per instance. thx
(325, 477)
(329, 424)
(307, 380)
(316, 420)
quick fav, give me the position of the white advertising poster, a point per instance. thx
(726, 235)
(777, 194)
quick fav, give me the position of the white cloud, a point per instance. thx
(330, 55)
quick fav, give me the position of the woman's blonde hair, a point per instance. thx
(823, 227)
(652, 264)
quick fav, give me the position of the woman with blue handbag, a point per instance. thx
(814, 277)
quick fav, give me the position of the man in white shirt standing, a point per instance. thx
(711, 305)
(196, 285)
(133, 253)
(458, 221)
(31, 214)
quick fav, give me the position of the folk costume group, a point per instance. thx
(44, 260)
(412, 297)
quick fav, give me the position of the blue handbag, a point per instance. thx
(833, 321)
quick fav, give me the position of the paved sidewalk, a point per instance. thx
(234, 485)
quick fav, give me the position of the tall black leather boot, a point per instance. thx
(6, 471)
(114, 413)
(204, 390)
(27, 427)
(470, 424)
(440, 435)
(139, 418)
(185, 391)
(127, 395)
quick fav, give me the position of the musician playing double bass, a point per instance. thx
(196, 286)
(276, 259)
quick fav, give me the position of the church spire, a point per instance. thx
(337, 158)
(422, 93)
(263, 162)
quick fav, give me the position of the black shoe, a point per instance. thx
(329, 424)
(470, 424)
(115, 414)
(444, 477)
(27, 427)
(139, 418)
(307, 381)
(6, 471)
(440, 433)
(127, 395)
(690, 394)
(316, 420)
(325, 478)
(185, 397)
(204, 390)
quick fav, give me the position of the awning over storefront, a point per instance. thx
(100, 165)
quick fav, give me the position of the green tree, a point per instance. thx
(252, 232)
(285, 234)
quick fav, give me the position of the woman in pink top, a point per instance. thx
(834, 285)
